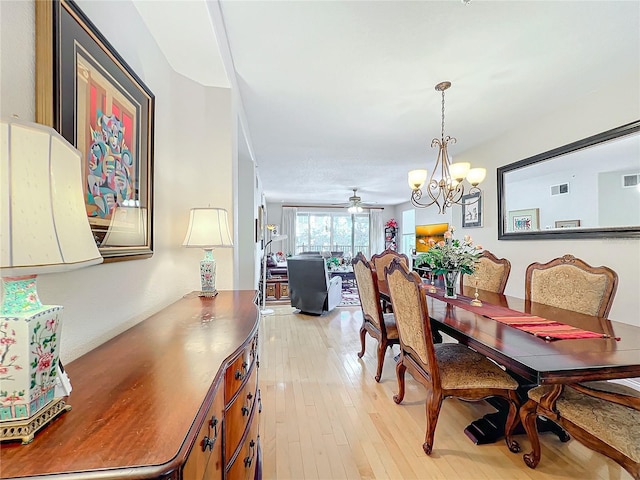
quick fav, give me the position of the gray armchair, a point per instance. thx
(310, 288)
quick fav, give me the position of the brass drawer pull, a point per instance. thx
(210, 442)
(245, 407)
(249, 460)
(240, 375)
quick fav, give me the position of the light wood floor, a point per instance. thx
(325, 417)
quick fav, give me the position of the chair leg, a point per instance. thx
(433, 404)
(382, 349)
(400, 370)
(363, 333)
(512, 422)
(528, 415)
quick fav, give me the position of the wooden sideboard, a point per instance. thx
(173, 397)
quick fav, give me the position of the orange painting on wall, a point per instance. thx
(424, 233)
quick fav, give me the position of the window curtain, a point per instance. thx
(376, 231)
(288, 228)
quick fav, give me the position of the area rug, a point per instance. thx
(350, 298)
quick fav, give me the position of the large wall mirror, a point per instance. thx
(589, 188)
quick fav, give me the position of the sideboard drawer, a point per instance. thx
(240, 368)
(239, 412)
(271, 290)
(205, 458)
(244, 466)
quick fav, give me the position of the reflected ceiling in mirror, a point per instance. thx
(589, 188)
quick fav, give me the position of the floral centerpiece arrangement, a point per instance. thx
(391, 223)
(449, 257)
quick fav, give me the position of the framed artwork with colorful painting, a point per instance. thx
(89, 94)
(524, 220)
(427, 233)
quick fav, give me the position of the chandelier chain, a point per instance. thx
(442, 131)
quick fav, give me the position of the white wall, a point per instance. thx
(194, 166)
(578, 204)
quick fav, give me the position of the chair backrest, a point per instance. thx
(412, 318)
(310, 270)
(367, 284)
(570, 283)
(491, 273)
(308, 282)
(382, 260)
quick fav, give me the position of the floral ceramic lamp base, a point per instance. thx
(29, 339)
(208, 275)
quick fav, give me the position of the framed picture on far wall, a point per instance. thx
(567, 223)
(425, 233)
(524, 220)
(88, 93)
(472, 210)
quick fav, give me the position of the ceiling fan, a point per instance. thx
(355, 203)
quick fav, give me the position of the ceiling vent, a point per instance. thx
(560, 189)
(632, 180)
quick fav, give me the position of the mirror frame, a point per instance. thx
(609, 232)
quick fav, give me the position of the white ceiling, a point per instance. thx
(340, 94)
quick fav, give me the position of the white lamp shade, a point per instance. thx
(128, 228)
(208, 228)
(459, 170)
(43, 220)
(416, 178)
(476, 175)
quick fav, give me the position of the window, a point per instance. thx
(408, 232)
(332, 232)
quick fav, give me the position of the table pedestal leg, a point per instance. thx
(490, 428)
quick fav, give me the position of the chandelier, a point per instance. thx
(445, 187)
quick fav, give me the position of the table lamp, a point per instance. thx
(208, 228)
(43, 229)
(274, 238)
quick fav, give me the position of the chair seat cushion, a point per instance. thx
(390, 325)
(615, 425)
(462, 368)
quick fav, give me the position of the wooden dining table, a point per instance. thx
(531, 359)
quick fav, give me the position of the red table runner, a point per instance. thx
(537, 326)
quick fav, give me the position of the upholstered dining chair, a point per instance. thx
(381, 326)
(570, 283)
(491, 274)
(445, 369)
(382, 260)
(603, 416)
